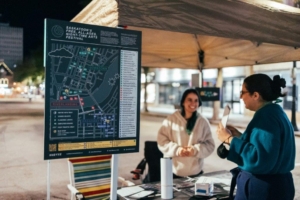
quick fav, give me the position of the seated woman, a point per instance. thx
(186, 137)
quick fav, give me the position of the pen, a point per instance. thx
(155, 195)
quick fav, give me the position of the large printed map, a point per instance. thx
(87, 89)
(92, 90)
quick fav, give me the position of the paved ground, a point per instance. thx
(23, 171)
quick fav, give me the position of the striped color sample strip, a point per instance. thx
(92, 176)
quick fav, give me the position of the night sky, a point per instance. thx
(30, 15)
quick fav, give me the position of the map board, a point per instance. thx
(92, 96)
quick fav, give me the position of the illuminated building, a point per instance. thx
(11, 45)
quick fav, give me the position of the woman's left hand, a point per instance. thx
(223, 133)
(190, 151)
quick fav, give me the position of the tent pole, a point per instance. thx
(293, 118)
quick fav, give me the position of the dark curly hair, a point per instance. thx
(269, 89)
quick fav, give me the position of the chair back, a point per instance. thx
(91, 176)
(152, 156)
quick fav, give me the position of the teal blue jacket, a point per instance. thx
(268, 144)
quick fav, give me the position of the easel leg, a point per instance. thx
(48, 180)
(114, 177)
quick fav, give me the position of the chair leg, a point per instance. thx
(73, 191)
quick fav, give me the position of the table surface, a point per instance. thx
(184, 193)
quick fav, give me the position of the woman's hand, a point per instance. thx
(183, 152)
(223, 133)
(186, 151)
(234, 131)
(190, 151)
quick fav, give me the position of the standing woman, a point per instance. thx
(265, 152)
(186, 136)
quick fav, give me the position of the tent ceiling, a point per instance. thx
(231, 33)
(180, 50)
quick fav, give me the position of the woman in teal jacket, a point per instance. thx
(265, 152)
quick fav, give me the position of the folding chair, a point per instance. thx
(151, 158)
(90, 177)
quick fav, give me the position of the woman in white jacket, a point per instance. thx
(186, 137)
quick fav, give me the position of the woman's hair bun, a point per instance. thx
(279, 81)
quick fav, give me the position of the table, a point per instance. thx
(188, 193)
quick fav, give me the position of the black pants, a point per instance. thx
(265, 187)
(142, 165)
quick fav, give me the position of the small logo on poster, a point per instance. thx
(52, 147)
(57, 31)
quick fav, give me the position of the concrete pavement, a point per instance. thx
(237, 120)
(23, 171)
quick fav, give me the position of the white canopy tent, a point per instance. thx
(204, 34)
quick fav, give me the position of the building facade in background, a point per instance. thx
(11, 45)
(6, 80)
(166, 86)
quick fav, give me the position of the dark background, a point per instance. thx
(30, 15)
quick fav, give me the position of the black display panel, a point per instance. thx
(209, 93)
(92, 95)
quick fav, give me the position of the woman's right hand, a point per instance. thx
(181, 152)
(234, 131)
(186, 151)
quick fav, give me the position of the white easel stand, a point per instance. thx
(114, 176)
(48, 180)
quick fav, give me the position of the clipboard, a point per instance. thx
(225, 116)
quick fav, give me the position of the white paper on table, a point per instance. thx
(124, 192)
